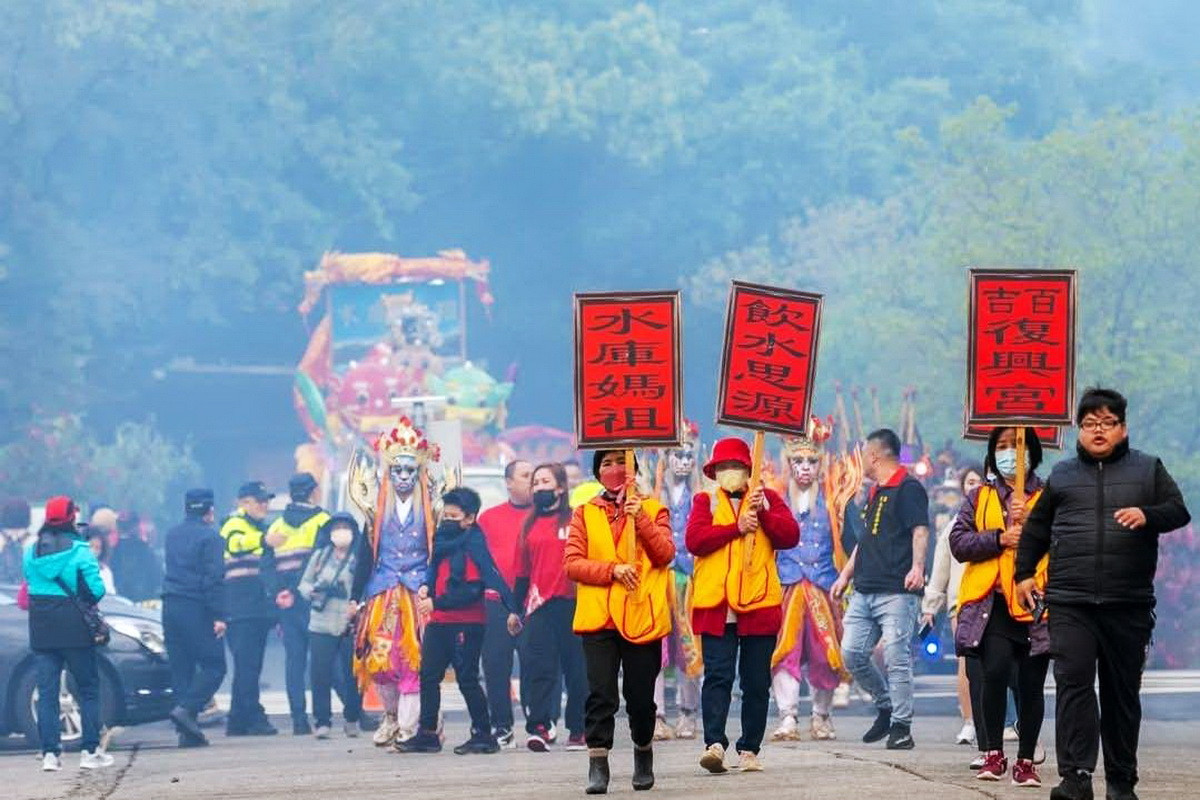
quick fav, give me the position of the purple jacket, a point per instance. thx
(968, 545)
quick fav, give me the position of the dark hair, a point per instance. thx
(463, 497)
(888, 439)
(1096, 399)
(1033, 446)
(564, 507)
(90, 533)
(511, 468)
(966, 470)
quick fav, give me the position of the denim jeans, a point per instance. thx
(749, 658)
(892, 618)
(85, 669)
(294, 624)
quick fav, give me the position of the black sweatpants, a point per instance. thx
(498, 649)
(607, 654)
(194, 653)
(330, 667)
(459, 644)
(749, 657)
(1000, 650)
(247, 639)
(1112, 640)
(554, 650)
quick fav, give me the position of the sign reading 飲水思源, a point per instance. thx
(769, 360)
(1021, 350)
(628, 370)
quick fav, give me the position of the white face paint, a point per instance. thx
(804, 469)
(682, 461)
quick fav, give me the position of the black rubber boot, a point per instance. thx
(598, 774)
(643, 768)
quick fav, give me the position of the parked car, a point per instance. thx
(135, 682)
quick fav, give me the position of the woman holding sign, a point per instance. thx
(734, 532)
(993, 626)
(618, 552)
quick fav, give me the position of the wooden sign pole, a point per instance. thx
(1019, 493)
(756, 457)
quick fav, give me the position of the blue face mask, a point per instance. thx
(1006, 463)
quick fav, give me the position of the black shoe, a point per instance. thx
(1076, 786)
(185, 723)
(643, 769)
(879, 728)
(423, 742)
(259, 728)
(900, 737)
(1120, 791)
(301, 728)
(478, 744)
(187, 740)
(598, 775)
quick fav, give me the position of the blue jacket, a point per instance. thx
(54, 620)
(195, 566)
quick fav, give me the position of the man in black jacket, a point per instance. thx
(1099, 518)
(194, 613)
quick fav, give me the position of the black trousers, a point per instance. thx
(293, 622)
(331, 670)
(247, 644)
(498, 650)
(997, 657)
(975, 687)
(459, 644)
(195, 655)
(607, 655)
(554, 652)
(750, 658)
(1112, 640)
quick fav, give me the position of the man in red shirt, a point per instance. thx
(501, 526)
(737, 605)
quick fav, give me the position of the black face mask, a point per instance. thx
(449, 528)
(545, 499)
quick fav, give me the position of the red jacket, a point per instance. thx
(703, 537)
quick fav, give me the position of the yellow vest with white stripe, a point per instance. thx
(980, 578)
(245, 544)
(640, 616)
(726, 575)
(295, 550)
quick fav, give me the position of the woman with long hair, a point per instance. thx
(552, 650)
(993, 626)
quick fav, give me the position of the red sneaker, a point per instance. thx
(994, 767)
(1025, 774)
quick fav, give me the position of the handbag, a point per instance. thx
(93, 620)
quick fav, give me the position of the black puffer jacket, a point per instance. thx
(1093, 559)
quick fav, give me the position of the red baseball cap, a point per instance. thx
(60, 510)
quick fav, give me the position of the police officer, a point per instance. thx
(194, 613)
(292, 537)
(249, 575)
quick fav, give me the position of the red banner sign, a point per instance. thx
(770, 358)
(1021, 351)
(1051, 437)
(628, 370)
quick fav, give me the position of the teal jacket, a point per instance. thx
(54, 620)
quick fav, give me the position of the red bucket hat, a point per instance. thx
(60, 511)
(731, 449)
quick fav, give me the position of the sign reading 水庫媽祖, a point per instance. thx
(769, 360)
(628, 370)
(1021, 348)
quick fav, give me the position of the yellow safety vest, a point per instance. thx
(981, 577)
(727, 576)
(294, 552)
(245, 544)
(641, 616)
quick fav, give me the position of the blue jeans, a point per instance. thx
(892, 618)
(86, 670)
(749, 657)
(294, 624)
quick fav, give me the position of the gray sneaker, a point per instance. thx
(322, 732)
(351, 730)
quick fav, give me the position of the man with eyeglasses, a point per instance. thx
(1099, 517)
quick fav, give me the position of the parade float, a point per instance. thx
(389, 338)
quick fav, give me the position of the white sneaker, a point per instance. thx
(841, 696)
(822, 729)
(51, 762)
(786, 732)
(322, 732)
(685, 728)
(749, 762)
(386, 732)
(96, 760)
(713, 758)
(967, 734)
(662, 732)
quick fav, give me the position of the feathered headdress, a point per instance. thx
(819, 432)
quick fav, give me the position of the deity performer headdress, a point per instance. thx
(405, 440)
(812, 442)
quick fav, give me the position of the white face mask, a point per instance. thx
(733, 479)
(1006, 463)
(341, 537)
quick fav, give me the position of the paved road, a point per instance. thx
(149, 768)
